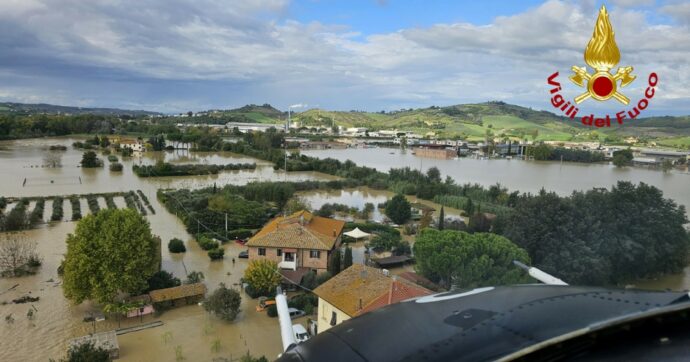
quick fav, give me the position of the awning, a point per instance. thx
(357, 234)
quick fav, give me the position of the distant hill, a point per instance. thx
(25, 108)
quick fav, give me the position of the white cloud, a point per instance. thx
(249, 52)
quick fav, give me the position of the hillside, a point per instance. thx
(24, 108)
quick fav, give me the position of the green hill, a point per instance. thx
(24, 108)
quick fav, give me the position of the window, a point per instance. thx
(315, 254)
(334, 319)
(262, 251)
(279, 252)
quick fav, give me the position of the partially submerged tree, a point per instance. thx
(224, 302)
(17, 256)
(110, 252)
(90, 160)
(86, 352)
(347, 259)
(398, 209)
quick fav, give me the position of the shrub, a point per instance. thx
(323, 277)
(87, 352)
(90, 160)
(116, 167)
(240, 233)
(207, 243)
(57, 209)
(37, 213)
(216, 254)
(162, 280)
(272, 311)
(76, 208)
(224, 302)
(176, 246)
(112, 158)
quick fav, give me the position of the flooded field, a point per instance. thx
(190, 329)
(57, 321)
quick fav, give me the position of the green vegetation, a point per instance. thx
(263, 276)
(544, 152)
(90, 160)
(601, 236)
(622, 158)
(224, 303)
(168, 169)
(76, 207)
(468, 260)
(112, 158)
(132, 257)
(216, 254)
(176, 246)
(36, 215)
(334, 262)
(57, 209)
(146, 201)
(17, 219)
(116, 167)
(86, 352)
(162, 280)
(398, 209)
(92, 201)
(110, 202)
(347, 259)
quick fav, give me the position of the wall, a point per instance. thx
(321, 263)
(271, 254)
(324, 315)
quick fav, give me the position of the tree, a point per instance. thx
(194, 277)
(592, 238)
(86, 352)
(334, 262)
(468, 260)
(52, 159)
(347, 260)
(89, 160)
(162, 280)
(110, 252)
(116, 167)
(176, 246)
(224, 303)
(17, 255)
(434, 174)
(216, 254)
(441, 218)
(263, 276)
(667, 165)
(398, 209)
(479, 223)
(622, 158)
(294, 205)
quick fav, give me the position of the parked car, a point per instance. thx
(300, 333)
(243, 254)
(295, 313)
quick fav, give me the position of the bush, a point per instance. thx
(37, 213)
(176, 246)
(87, 352)
(57, 209)
(90, 160)
(224, 302)
(76, 208)
(216, 254)
(112, 158)
(240, 233)
(116, 167)
(162, 280)
(207, 243)
(323, 277)
(272, 311)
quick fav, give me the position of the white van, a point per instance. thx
(300, 333)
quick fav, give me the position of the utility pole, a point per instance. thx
(226, 225)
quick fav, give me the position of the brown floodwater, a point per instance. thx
(190, 329)
(57, 321)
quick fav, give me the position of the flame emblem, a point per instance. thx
(602, 55)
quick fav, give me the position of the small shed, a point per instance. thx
(106, 340)
(181, 295)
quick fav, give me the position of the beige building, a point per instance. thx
(360, 289)
(301, 241)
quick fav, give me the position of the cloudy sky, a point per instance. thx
(175, 55)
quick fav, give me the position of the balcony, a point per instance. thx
(289, 261)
